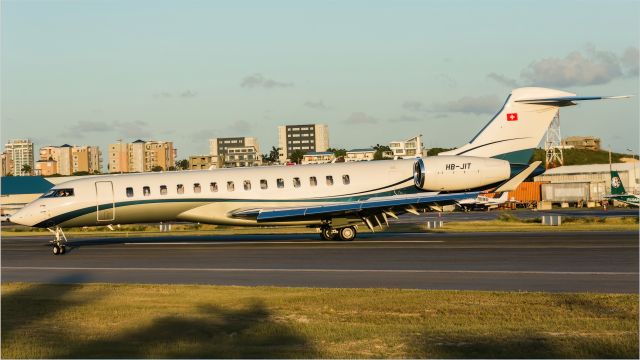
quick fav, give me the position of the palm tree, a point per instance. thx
(26, 169)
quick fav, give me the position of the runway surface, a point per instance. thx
(557, 262)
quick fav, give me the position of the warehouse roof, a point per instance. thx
(593, 168)
(14, 185)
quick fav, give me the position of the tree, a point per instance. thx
(182, 164)
(272, 157)
(296, 156)
(338, 152)
(380, 150)
(157, 168)
(26, 169)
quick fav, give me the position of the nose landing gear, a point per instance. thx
(60, 241)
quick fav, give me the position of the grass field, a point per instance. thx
(506, 222)
(186, 321)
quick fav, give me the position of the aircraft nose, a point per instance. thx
(22, 217)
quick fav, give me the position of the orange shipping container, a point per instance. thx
(527, 191)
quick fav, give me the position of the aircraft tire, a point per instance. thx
(326, 233)
(57, 250)
(347, 233)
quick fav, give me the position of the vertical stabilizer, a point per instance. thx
(616, 184)
(519, 126)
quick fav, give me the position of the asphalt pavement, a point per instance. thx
(551, 261)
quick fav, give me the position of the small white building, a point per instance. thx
(360, 155)
(407, 149)
(318, 157)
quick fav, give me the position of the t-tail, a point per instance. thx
(616, 184)
(519, 126)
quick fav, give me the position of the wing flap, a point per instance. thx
(360, 208)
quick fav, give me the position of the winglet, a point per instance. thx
(513, 183)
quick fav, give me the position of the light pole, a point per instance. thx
(635, 179)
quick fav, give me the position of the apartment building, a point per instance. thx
(18, 153)
(68, 160)
(307, 138)
(235, 152)
(410, 148)
(6, 163)
(200, 162)
(141, 156)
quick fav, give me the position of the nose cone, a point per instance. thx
(23, 217)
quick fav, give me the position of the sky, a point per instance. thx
(92, 72)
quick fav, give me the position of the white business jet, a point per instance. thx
(335, 198)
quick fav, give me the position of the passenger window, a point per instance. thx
(345, 179)
(263, 184)
(146, 191)
(129, 192)
(313, 181)
(196, 188)
(213, 187)
(280, 183)
(296, 182)
(163, 189)
(180, 189)
(329, 180)
(246, 184)
(230, 186)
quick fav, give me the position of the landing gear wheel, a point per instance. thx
(57, 250)
(326, 233)
(347, 233)
(63, 249)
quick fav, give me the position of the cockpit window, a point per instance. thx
(54, 193)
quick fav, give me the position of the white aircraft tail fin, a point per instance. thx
(519, 126)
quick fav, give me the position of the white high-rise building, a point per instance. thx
(307, 138)
(21, 153)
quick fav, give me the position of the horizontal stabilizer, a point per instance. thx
(567, 100)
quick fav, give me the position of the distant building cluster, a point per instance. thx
(68, 160)
(304, 144)
(141, 156)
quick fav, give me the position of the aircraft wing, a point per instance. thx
(387, 205)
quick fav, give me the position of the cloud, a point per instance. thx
(503, 79)
(239, 127)
(126, 129)
(589, 66)
(596, 67)
(446, 80)
(405, 118)
(630, 60)
(257, 80)
(187, 94)
(360, 118)
(414, 105)
(469, 104)
(132, 129)
(316, 105)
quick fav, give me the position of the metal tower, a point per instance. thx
(553, 144)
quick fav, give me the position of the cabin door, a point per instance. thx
(106, 208)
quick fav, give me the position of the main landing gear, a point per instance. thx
(60, 241)
(343, 234)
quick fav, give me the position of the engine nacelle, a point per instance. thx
(456, 173)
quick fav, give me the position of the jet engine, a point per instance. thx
(457, 173)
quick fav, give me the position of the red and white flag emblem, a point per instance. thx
(512, 117)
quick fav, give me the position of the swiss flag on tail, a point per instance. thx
(512, 117)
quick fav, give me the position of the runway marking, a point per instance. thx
(508, 272)
(281, 242)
